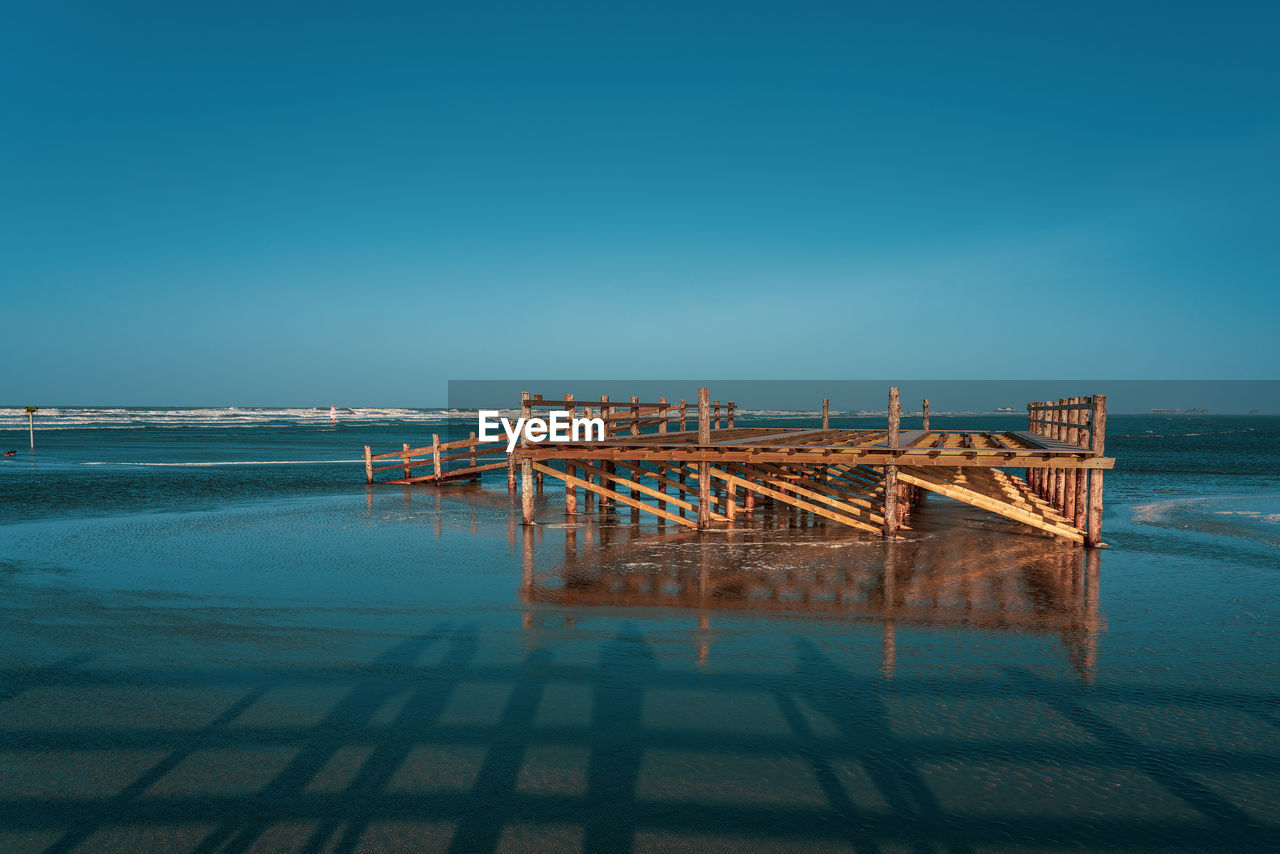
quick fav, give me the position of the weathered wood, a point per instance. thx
(1098, 437)
(368, 465)
(662, 423)
(826, 413)
(610, 496)
(975, 498)
(891, 517)
(925, 411)
(793, 501)
(1081, 483)
(732, 408)
(437, 467)
(526, 491)
(1069, 477)
(704, 468)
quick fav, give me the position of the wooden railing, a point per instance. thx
(631, 417)
(1081, 422)
(437, 456)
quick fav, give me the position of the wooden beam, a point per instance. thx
(614, 496)
(985, 502)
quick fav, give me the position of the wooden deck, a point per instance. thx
(1047, 477)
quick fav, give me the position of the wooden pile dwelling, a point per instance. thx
(1048, 477)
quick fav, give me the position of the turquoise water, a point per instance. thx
(218, 639)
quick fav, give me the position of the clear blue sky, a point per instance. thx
(316, 203)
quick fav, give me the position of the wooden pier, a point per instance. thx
(716, 474)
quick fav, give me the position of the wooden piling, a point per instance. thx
(704, 468)
(717, 414)
(570, 491)
(368, 464)
(1084, 440)
(1098, 421)
(1073, 437)
(891, 517)
(610, 429)
(826, 413)
(925, 422)
(684, 415)
(731, 409)
(1060, 433)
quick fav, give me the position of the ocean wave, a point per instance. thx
(214, 463)
(67, 418)
(1207, 515)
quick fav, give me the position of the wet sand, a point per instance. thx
(412, 670)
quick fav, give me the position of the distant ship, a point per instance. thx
(1197, 411)
(1166, 411)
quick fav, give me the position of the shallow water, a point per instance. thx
(217, 654)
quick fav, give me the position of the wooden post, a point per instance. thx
(471, 460)
(1073, 436)
(31, 426)
(606, 412)
(1093, 535)
(732, 408)
(684, 415)
(704, 467)
(1030, 474)
(1033, 475)
(662, 418)
(526, 491)
(1060, 433)
(1080, 519)
(368, 465)
(826, 413)
(435, 455)
(925, 425)
(891, 517)
(635, 415)
(570, 491)
(717, 415)
(404, 458)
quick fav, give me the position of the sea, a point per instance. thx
(217, 638)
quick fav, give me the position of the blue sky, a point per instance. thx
(315, 203)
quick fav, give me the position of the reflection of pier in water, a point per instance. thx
(952, 582)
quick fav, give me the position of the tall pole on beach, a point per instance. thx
(31, 425)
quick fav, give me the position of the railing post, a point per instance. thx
(704, 467)
(684, 415)
(368, 465)
(471, 458)
(1081, 503)
(1093, 535)
(1069, 475)
(404, 458)
(664, 413)
(717, 415)
(610, 430)
(435, 455)
(925, 422)
(732, 408)
(1060, 479)
(635, 415)
(891, 472)
(570, 491)
(826, 413)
